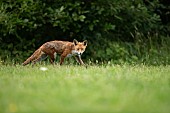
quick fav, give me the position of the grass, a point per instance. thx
(75, 89)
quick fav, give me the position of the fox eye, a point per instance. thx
(78, 49)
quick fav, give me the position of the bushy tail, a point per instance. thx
(34, 56)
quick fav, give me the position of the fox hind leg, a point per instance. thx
(52, 57)
(43, 56)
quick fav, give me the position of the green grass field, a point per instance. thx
(75, 89)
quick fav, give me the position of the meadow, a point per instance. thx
(76, 89)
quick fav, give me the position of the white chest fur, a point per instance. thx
(73, 52)
(69, 55)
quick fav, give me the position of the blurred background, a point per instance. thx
(118, 31)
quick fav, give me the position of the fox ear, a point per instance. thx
(85, 42)
(75, 42)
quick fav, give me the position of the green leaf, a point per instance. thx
(82, 17)
(91, 26)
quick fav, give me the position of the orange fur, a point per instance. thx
(64, 48)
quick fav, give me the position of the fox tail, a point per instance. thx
(33, 57)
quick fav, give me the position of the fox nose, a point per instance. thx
(79, 53)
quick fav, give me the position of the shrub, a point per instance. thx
(27, 24)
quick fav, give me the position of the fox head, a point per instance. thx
(79, 47)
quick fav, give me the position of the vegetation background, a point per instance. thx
(131, 31)
(128, 37)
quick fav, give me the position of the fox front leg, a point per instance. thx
(78, 58)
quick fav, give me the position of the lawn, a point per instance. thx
(76, 89)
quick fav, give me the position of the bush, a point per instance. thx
(27, 24)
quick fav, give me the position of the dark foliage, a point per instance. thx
(27, 24)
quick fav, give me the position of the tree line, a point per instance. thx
(117, 30)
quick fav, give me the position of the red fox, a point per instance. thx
(64, 48)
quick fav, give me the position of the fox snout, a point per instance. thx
(79, 54)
